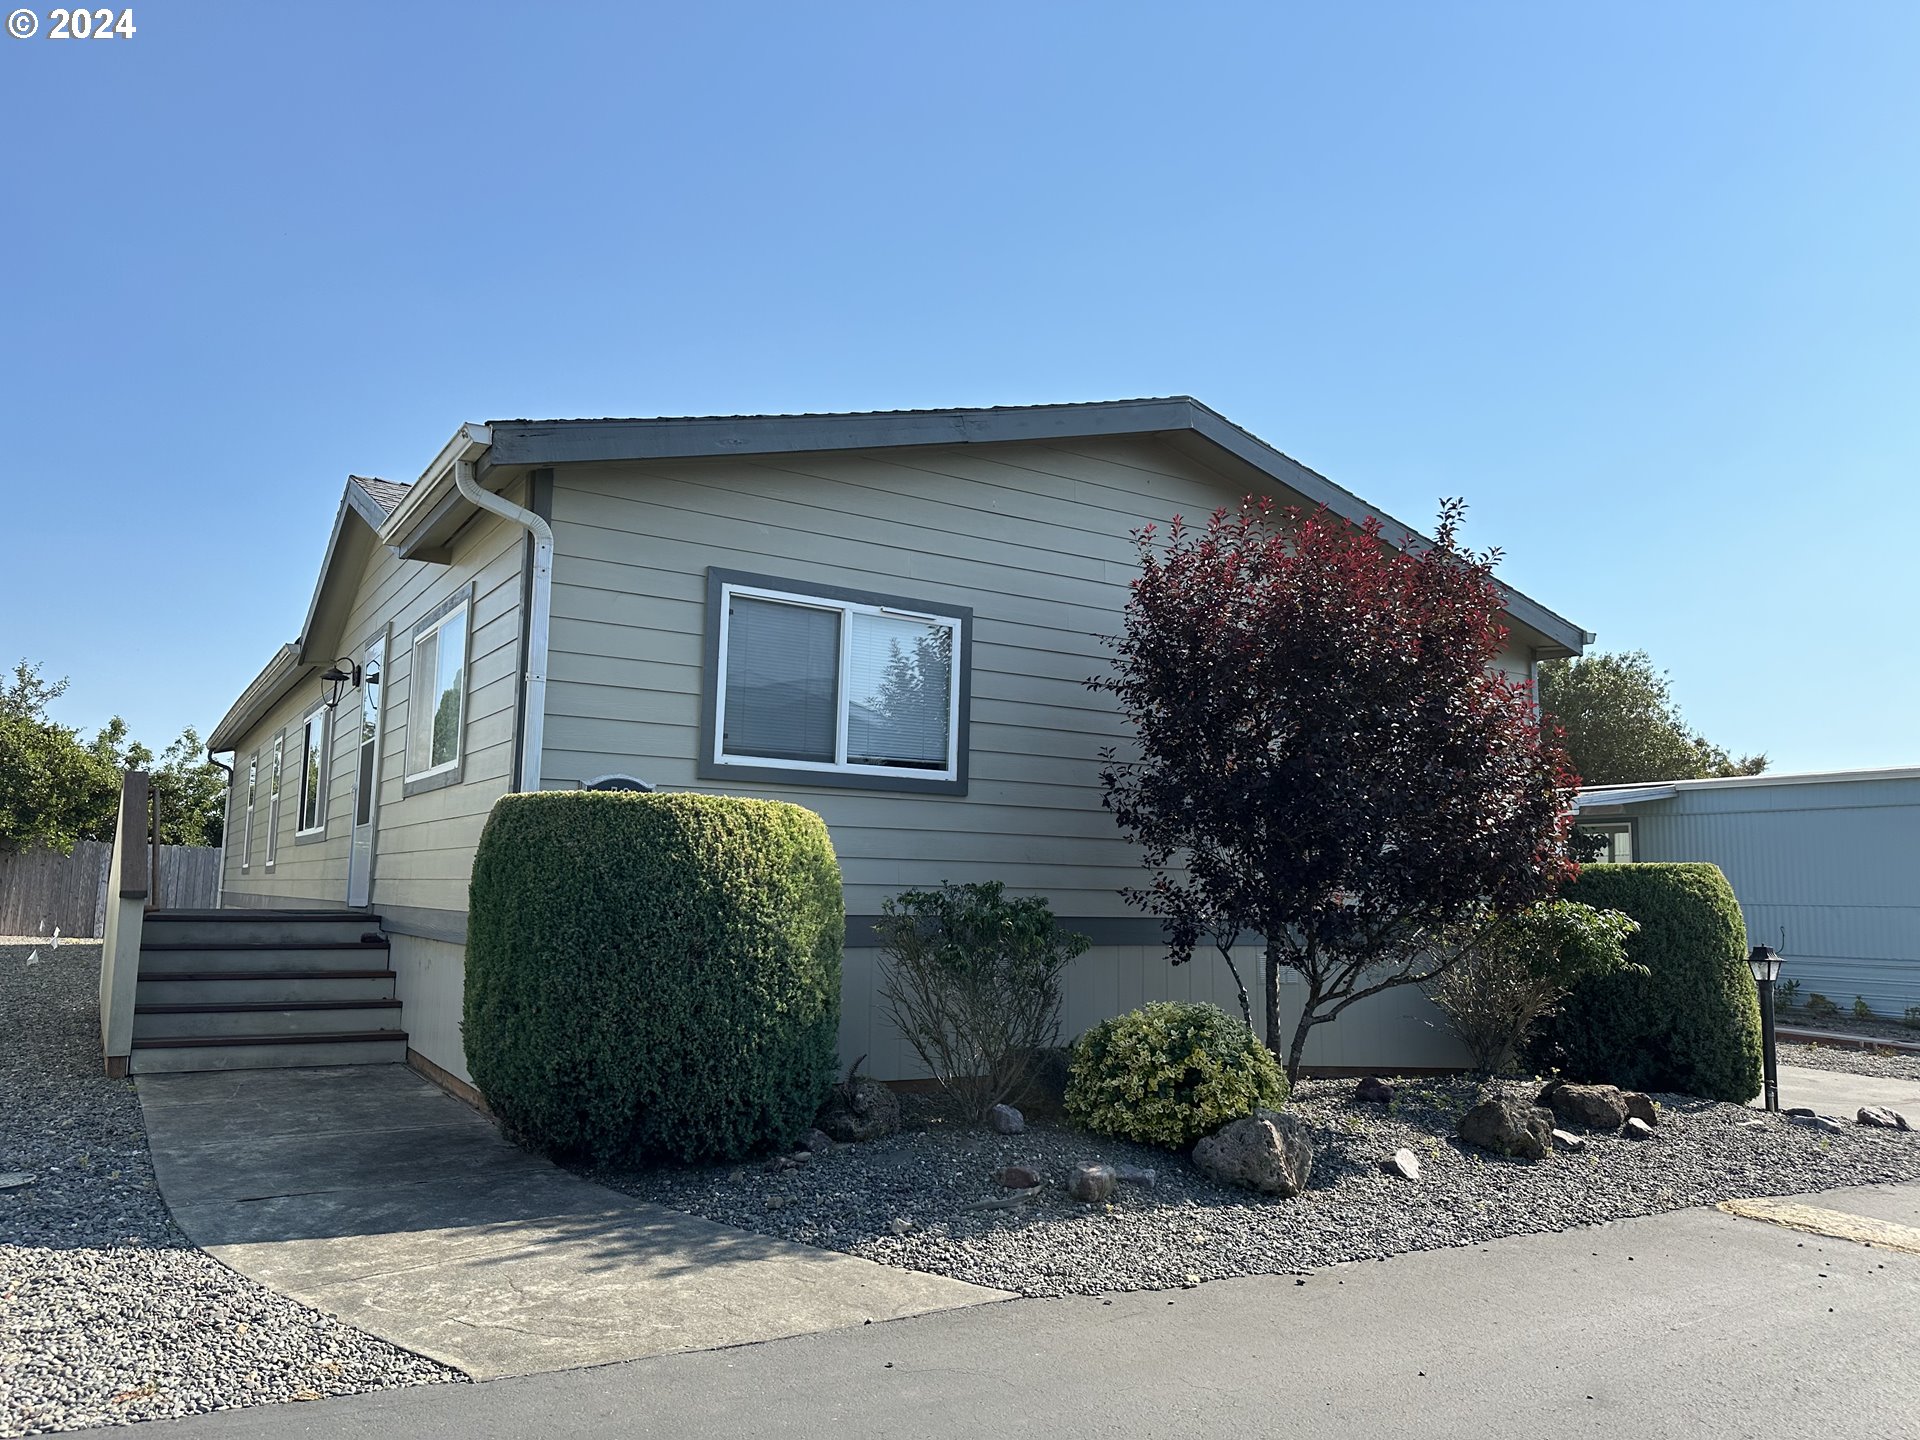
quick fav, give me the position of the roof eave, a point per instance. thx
(276, 677)
(560, 442)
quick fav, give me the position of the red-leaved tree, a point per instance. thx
(1327, 757)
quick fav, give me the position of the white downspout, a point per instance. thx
(540, 604)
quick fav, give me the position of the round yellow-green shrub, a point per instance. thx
(1170, 1073)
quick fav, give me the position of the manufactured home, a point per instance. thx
(710, 604)
(1822, 864)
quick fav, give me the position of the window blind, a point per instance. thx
(783, 673)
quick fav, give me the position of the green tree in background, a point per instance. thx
(192, 791)
(55, 790)
(1623, 726)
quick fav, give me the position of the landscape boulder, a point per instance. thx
(1507, 1126)
(1265, 1151)
(1373, 1091)
(1641, 1107)
(1598, 1107)
(1018, 1177)
(1402, 1162)
(1883, 1117)
(1573, 1144)
(1006, 1120)
(859, 1108)
(1636, 1129)
(817, 1141)
(1091, 1182)
(1141, 1176)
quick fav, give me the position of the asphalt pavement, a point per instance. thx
(1695, 1324)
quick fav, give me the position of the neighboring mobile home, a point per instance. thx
(710, 604)
(1823, 865)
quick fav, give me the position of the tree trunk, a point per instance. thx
(1273, 998)
(1299, 1047)
(1239, 985)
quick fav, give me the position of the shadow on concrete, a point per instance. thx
(372, 1194)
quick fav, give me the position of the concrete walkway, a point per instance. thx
(1841, 1093)
(371, 1194)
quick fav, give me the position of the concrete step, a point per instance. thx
(267, 1017)
(254, 956)
(268, 1052)
(222, 927)
(284, 986)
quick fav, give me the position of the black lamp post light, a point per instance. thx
(1764, 961)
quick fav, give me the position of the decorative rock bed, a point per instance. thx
(107, 1313)
(923, 1198)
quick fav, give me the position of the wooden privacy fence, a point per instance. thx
(42, 889)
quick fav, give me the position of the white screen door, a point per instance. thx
(366, 784)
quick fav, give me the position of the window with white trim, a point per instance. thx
(273, 798)
(437, 694)
(836, 682)
(1613, 839)
(246, 822)
(313, 774)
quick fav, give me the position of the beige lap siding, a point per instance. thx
(430, 981)
(1033, 537)
(424, 841)
(1394, 1030)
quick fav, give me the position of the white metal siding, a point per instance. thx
(1824, 872)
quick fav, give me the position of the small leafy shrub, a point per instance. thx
(1862, 1010)
(1170, 1073)
(1788, 993)
(1689, 1019)
(972, 981)
(1819, 1005)
(1514, 970)
(653, 975)
(1913, 1017)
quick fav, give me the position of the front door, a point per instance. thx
(366, 784)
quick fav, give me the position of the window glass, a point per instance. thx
(449, 690)
(370, 687)
(1617, 837)
(854, 686)
(783, 680)
(313, 809)
(437, 695)
(273, 795)
(246, 828)
(899, 692)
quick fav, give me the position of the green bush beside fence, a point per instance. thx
(1691, 1024)
(653, 975)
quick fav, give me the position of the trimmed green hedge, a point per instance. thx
(1690, 1025)
(653, 975)
(1170, 1073)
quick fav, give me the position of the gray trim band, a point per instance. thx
(1101, 930)
(425, 924)
(451, 925)
(904, 783)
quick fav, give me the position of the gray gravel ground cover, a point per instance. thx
(1888, 1064)
(904, 1200)
(107, 1313)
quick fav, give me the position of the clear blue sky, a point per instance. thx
(1639, 281)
